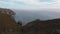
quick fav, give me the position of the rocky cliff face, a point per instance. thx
(42, 27)
(7, 24)
(7, 11)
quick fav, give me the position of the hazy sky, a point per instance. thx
(30, 4)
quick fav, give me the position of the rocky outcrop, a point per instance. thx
(7, 11)
(7, 24)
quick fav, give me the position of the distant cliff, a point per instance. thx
(42, 27)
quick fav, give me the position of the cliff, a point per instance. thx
(8, 25)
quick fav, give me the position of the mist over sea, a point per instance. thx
(26, 16)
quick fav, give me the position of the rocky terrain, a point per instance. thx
(8, 25)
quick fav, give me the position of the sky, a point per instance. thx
(30, 4)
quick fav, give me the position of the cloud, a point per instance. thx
(3, 2)
(53, 4)
(33, 4)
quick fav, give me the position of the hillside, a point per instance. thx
(42, 27)
(8, 24)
